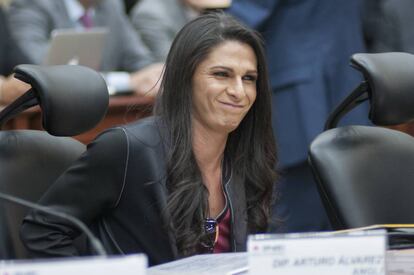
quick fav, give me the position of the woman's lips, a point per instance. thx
(232, 105)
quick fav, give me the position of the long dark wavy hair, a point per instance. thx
(250, 148)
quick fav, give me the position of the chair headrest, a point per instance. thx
(73, 99)
(390, 78)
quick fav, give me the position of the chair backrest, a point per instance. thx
(73, 99)
(365, 174)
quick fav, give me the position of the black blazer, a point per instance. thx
(118, 188)
(10, 54)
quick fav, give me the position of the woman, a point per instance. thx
(195, 178)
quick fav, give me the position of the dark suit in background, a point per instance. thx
(308, 43)
(129, 4)
(10, 54)
(157, 22)
(389, 25)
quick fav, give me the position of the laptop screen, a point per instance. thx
(76, 47)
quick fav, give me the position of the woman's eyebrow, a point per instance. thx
(221, 67)
(253, 71)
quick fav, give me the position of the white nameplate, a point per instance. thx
(125, 265)
(320, 254)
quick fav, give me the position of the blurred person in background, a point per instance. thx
(129, 4)
(34, 20)
(158, 21)
(389, 25)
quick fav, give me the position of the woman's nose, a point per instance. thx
(236, 88)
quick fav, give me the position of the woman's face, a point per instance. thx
(224, 86)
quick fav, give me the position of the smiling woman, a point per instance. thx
(197, 177)
(224, 87)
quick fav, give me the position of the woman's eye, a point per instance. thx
(251, 78)
(221, 74)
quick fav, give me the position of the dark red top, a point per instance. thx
(223, 241)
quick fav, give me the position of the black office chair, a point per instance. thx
(72, 99)
(365, 174)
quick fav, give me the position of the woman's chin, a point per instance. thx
(230, 125)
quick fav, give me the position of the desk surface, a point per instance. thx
(121, 110)
(398, 262)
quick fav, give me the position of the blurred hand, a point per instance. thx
(146, 82)
(2, 79)
(201, 5)
(11, 88)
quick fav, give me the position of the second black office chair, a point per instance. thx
(73, 99)
(365, 174)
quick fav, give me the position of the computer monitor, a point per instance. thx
(77, 47)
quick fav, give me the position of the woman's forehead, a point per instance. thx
(231, 53)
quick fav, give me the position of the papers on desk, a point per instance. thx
(118, 83)
(125, 265)
(400, 236)
(400, 262)
(217, 264)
